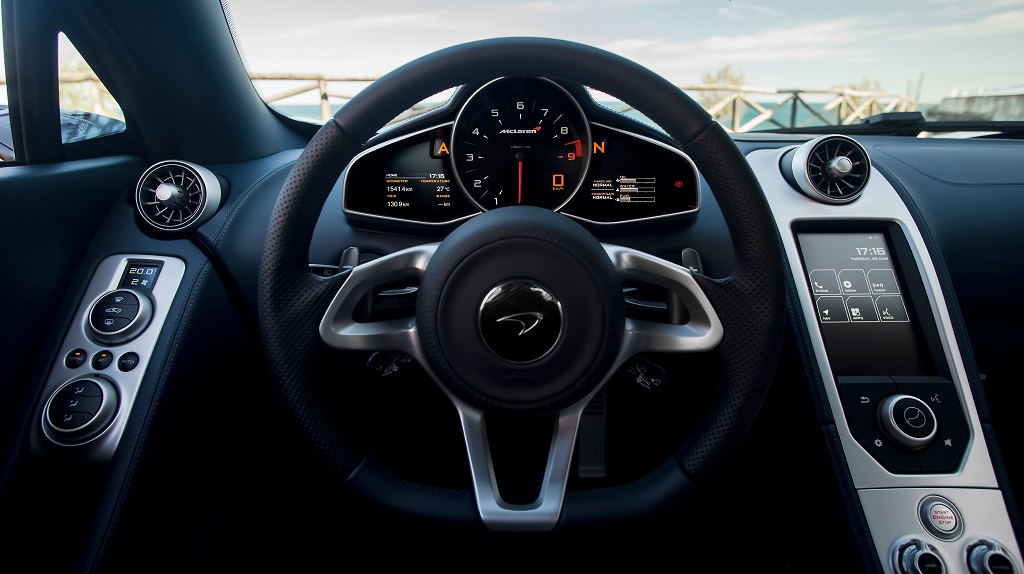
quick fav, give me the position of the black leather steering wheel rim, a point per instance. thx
(750, 301)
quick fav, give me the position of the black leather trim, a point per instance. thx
(132, 448)
(963, 342)
(292, 300)
(753, 333)
(233, 237)
(948, 292)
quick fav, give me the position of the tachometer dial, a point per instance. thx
(521, 141)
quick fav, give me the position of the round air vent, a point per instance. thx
(177, 195)
(830, 169)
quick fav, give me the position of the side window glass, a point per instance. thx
(6, 139)
(87, 110)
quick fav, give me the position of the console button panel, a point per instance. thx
(864, 397)
(98, 371)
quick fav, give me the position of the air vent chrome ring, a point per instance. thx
(175, 196)
(831, 169)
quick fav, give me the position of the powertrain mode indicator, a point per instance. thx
(636, 189)
(635, 178)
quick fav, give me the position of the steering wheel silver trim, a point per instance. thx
(339, 330)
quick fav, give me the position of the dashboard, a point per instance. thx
(877, 405)
(519, 141)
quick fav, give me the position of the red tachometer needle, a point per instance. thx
(520, 200)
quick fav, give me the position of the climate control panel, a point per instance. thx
(98, 372)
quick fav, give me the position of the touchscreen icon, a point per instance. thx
(824, 282)
(862, 310)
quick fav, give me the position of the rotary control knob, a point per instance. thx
(80, 409)
(119, 316)
(918, 557)
(907, 420)
(987, 557)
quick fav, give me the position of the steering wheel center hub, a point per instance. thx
(501, 300)
(520, 321)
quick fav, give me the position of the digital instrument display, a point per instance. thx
(863, 310)
(408, 179)
(140, 275)
(633, 178)
(519, 141)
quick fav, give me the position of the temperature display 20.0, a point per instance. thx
(140, 275)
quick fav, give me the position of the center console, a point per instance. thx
(887, 356)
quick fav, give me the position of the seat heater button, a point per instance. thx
(81, 389)
(67, 420)
(90, 405)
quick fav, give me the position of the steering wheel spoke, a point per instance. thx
(339, 328)
(702, 332)
(543, 513)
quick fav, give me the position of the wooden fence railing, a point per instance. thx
(783, 108)
(737, 108)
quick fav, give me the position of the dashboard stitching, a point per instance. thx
(236, 207)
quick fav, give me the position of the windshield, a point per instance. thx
(753, 65)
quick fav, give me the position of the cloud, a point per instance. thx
(814, 41)
(736, 10)
(1011, 22)
(414, 20)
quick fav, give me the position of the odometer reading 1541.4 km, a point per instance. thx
(521, 141)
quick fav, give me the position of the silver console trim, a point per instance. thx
(891, 501)
(879, 202)
(893, 517)
(106, 278)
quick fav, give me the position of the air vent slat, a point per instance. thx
(174, 196)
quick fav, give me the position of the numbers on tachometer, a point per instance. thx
(521, 141)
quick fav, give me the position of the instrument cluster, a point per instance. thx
(520, 141)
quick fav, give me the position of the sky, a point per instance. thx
(902, 46)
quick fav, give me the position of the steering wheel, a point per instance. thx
(539, 271)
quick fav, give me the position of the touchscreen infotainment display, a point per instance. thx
(863, 310)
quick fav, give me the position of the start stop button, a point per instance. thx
(940, 518)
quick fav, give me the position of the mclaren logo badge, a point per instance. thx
(527, 320)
